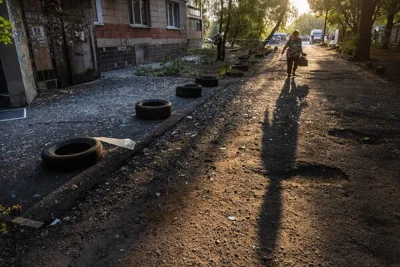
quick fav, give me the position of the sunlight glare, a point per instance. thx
(301, 5)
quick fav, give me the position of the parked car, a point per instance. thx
(277, 39)
(305, 38)
(316, 36)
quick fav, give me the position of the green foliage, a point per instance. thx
(305, 23)
(206, 52)
(13, 211)
(348, 46)
(223, 69)
(172, 68)
(5, 30)
(174, 65)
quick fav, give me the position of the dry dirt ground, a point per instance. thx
(270, 172)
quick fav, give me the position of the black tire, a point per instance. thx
(207, 81)
(153, 109)
(189, 90)
(241, 67)
(73, 153)
(234, 73)
(244, 57)
(259, 55)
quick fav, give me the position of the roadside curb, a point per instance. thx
(61, 200)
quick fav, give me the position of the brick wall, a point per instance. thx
(115, 57)
(117, 33)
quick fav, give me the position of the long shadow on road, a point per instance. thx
(279, 154)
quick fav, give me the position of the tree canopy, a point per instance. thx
(5, 30)
(305, 23)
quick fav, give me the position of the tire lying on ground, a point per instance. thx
(259, 55)
(234, 73)
(73, 153)
(189, 90)
(207, 81)
(244, 57)
(241, 67)
(153, 109)
(243, 62)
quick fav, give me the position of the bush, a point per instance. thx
(348, 45)
(210, 52)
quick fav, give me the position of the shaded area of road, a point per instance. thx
(279, 153)
(105, 107)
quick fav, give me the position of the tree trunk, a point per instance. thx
(324, 33)
(228, 24)
(364, 40)
(388, 31)
(234, 37)
(221, 19)
(278, 23)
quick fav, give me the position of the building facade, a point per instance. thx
(133, 32)
(58, 43)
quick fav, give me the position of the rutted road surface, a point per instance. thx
(270, 172)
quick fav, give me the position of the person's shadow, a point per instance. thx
(279, 153)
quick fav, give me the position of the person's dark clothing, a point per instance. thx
(293, 54)
(292, 62)
(220, 51)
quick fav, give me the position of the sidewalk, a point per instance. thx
(102, 108)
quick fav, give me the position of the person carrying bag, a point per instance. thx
(293, 53)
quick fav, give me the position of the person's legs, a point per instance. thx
(219, 52)
(296, 64)
(289, 65)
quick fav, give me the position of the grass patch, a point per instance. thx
(175, 65)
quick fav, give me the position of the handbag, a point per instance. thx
(303, 62)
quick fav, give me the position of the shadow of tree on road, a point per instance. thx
(279, 153)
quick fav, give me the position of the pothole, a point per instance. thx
(318, 172)
(310, 171)
(358, 136)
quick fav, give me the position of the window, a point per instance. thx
(194, 12)
(173, 15)
(140, 13)
(194, 25)
(98, 12)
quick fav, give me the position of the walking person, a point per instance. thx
(293, 54)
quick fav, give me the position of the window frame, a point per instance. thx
(199, 23)
(147, 12)
(98, 5)
(176, 26)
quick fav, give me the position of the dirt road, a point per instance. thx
(271, 172)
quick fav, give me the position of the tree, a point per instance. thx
(363, 47)
(305, 23)
(228, 23)
(322, 7)
(283, 9)
(5, 30)
(391, 9)
(346, 13)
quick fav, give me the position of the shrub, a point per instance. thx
(348, 45)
